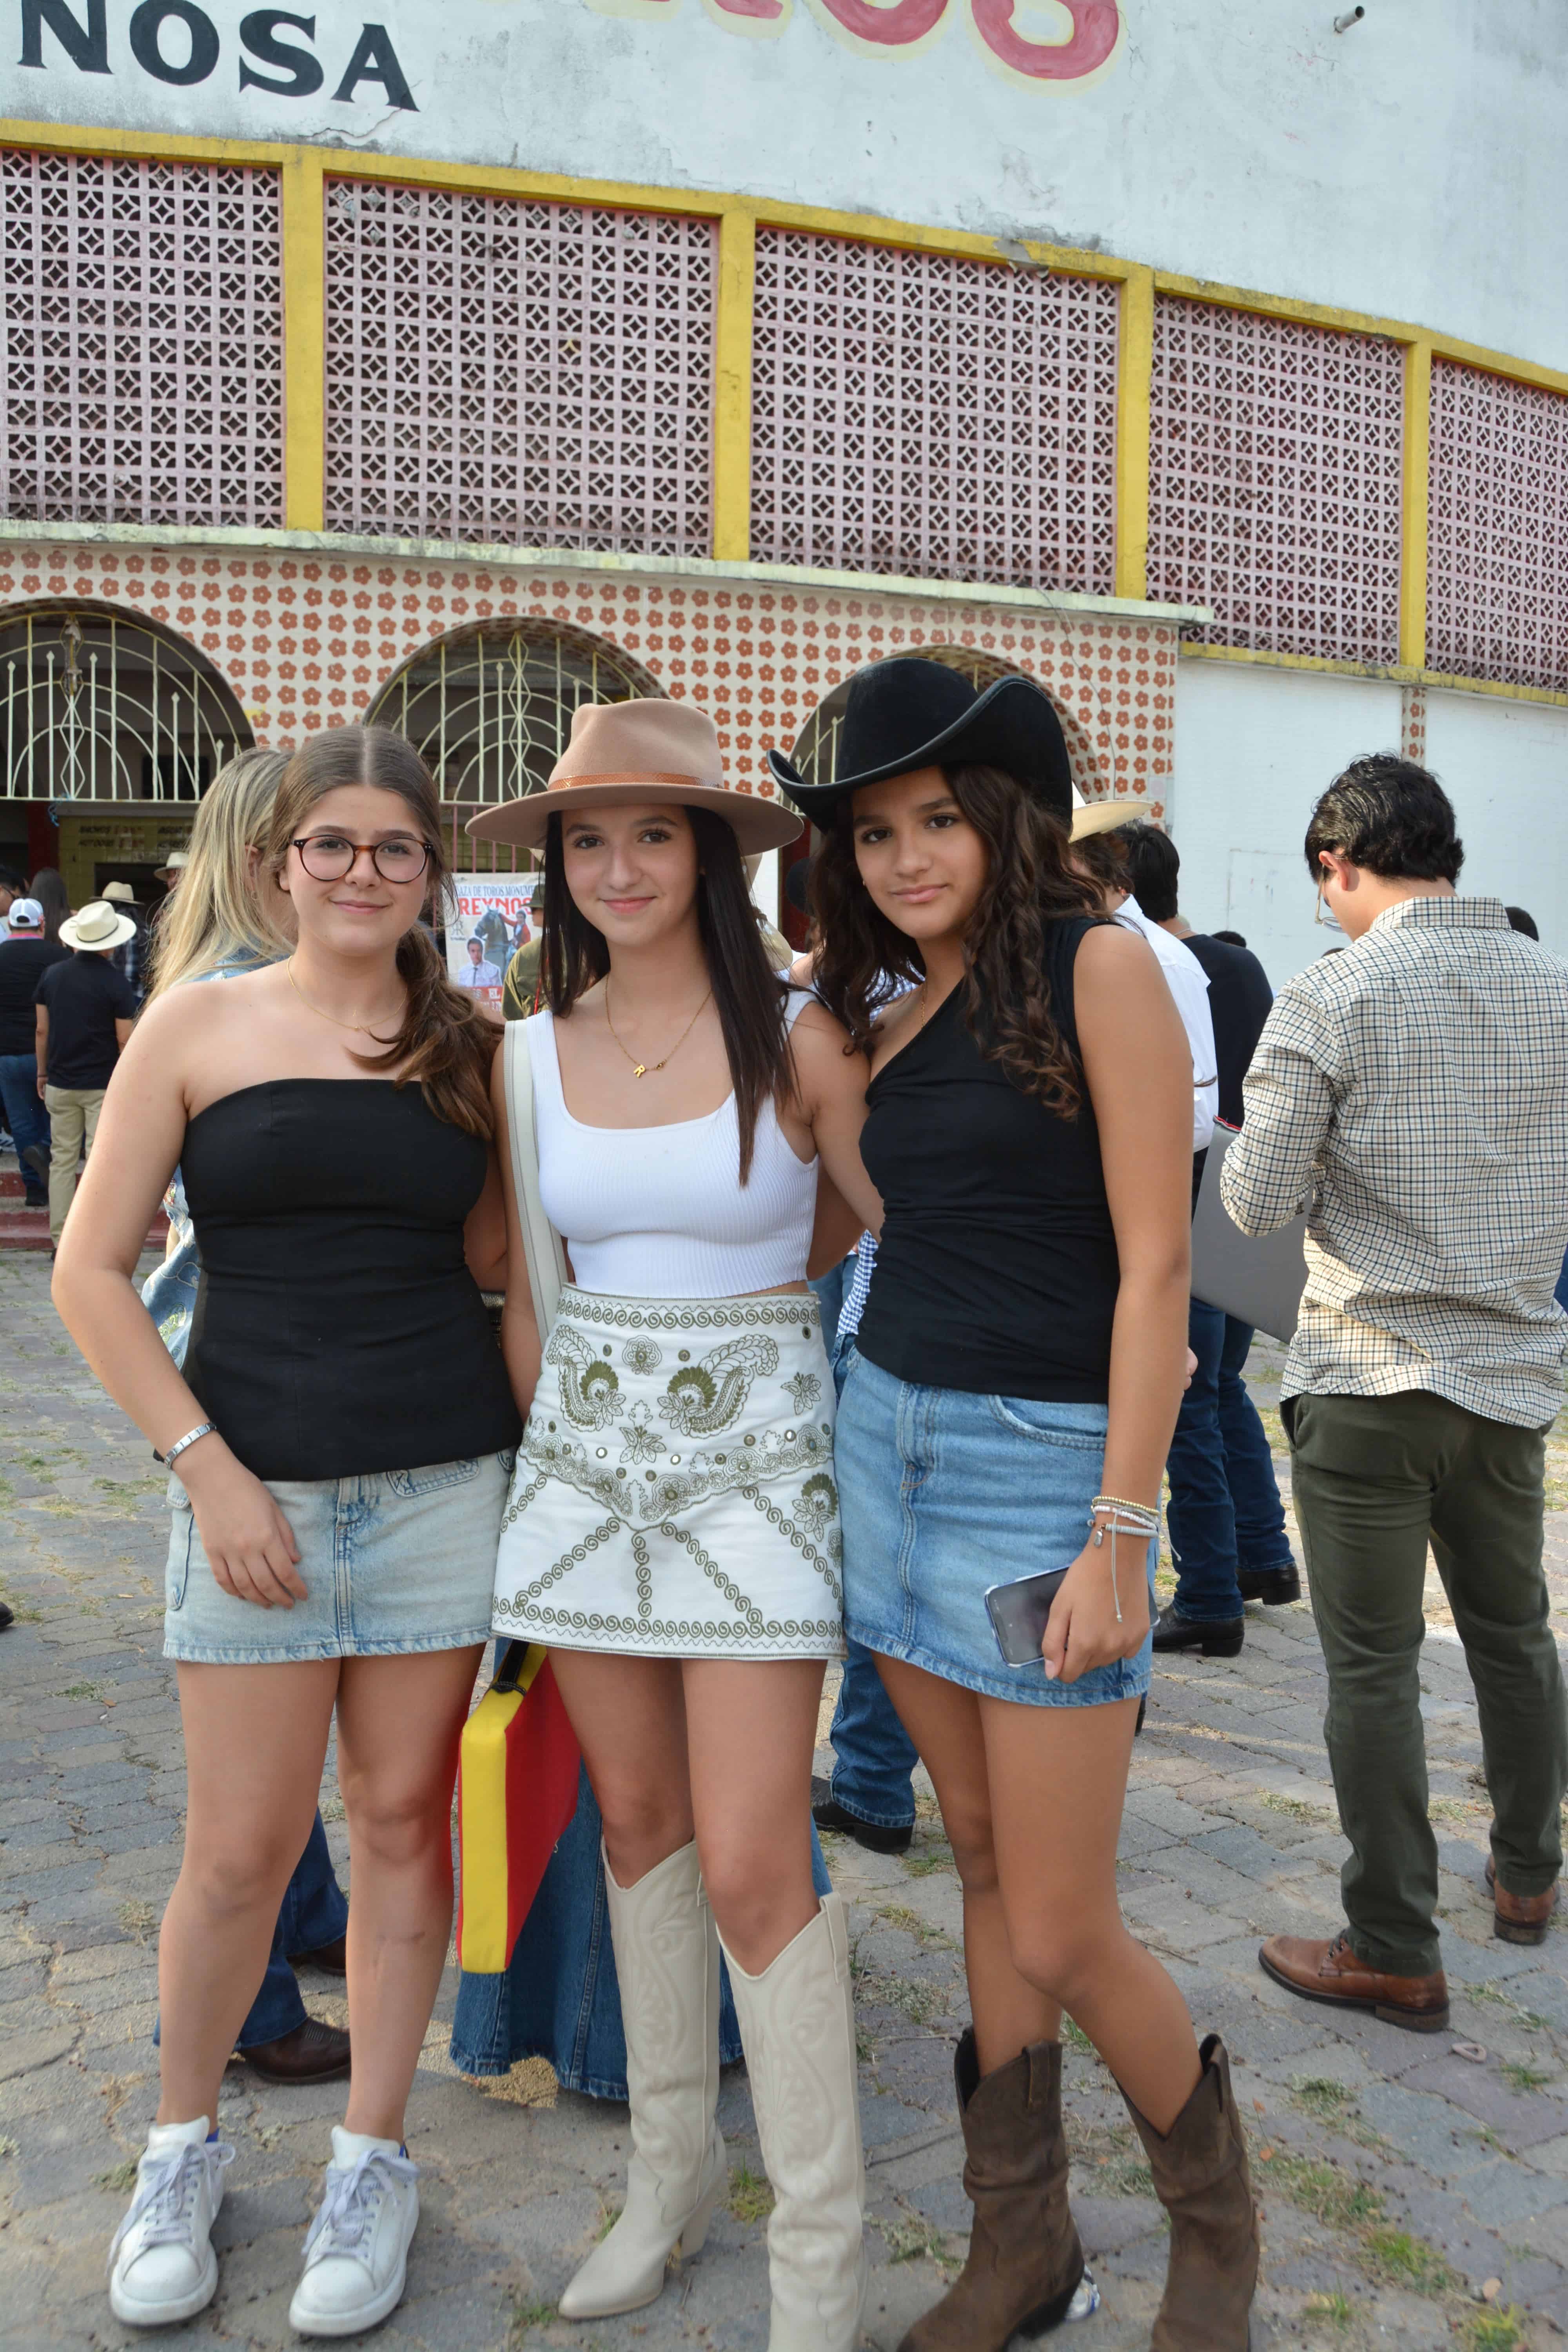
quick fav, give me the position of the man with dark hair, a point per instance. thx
(1412, 1094)
(1226, 1519)
(1521, 919)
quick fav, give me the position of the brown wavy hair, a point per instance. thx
(445, 1044)
(750, 995)
(1029, 882)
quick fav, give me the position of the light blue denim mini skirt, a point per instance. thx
(393, 1562)
(943, 1491)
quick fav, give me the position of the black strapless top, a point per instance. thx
(337, 1327)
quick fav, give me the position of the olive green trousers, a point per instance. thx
(1374, 1479)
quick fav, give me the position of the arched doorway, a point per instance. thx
(815, 749)
(112, 726)
(99, 705)
(490, 709)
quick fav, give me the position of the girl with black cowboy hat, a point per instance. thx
(1007, 1410)
(672, 1534)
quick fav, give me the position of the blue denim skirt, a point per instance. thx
(943, 1491)
(393, 1562)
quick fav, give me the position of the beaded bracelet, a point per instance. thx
(1121, 1518)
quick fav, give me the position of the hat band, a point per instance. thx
(99, 932)
(559, 783)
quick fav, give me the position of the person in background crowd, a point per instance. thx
(520, 990)
(335, 1513)
(1226, 1521)
(1100, 852)
(24, 956)
(132, 957)
(479, 971)
(1007, 1406)
(173, 874)
(232, 918)
(1521, 920)
(83, 1009)
(48, 886)
(10, 887)
(1412, 1094)
(683, 1099)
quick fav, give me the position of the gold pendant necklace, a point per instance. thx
(641, 1069)
(357, 1028)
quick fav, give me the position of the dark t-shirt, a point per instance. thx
(1239, 1001)
(22, 963)
(84, 997)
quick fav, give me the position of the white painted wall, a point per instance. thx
(1504, 765)
(1255, 747)
(1413, 167)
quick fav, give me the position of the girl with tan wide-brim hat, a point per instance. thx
(673, 1533)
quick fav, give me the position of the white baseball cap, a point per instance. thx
(25, 915)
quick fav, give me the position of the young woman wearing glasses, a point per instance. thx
(339, 1442)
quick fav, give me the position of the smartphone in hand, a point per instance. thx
(1019, 1612)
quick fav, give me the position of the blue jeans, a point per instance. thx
(24, 1114)
(560, 1998)
(1224, 1511)
(314, 1914)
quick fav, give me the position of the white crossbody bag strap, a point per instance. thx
(542, 1246)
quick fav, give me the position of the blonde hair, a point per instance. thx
(219, 915)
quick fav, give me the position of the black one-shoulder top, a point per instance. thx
(337, 1328)
(997, 1269)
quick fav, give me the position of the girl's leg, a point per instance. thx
(750, 1729)
(1011, 2012)
(1058, 1777)
(256, 1739)
(630, 1720)
(399, 1722)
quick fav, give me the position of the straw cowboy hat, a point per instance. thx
(1105, 816)
(645, 750)
(119, 894)
(907, 713)
(175, 863)
(97, 928)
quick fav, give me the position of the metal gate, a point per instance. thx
(97, 707)
(490, 709)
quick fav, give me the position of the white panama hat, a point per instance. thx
(98, 929)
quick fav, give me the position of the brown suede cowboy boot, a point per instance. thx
(1201, 2180)
(1025, 2262)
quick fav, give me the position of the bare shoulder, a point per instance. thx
(1110, 953)
(826, 1061)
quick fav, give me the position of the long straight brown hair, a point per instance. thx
(444, 1045)
(751, 997)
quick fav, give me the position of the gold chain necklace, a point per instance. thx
(641, 1069)
(358, 1028)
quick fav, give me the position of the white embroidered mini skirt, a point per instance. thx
(674, 1492)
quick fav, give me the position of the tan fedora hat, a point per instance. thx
(98, 927)
(119, 894)
(1105, 816)
(644, 749)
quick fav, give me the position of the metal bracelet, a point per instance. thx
(207, 1428)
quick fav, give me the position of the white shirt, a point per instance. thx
(1189, 986)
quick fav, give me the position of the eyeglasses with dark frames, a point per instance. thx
(329, 857)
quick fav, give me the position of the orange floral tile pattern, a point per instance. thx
(310, 640)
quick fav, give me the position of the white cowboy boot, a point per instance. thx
(666, 1957)
(797, 2023)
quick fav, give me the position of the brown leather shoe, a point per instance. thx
(1201, 2180)
(1520, 1918)
(313, 2053)
(1330, 1972)
(332, 1960)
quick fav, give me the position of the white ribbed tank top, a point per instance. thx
(658, 1211)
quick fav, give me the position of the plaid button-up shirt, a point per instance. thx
(1412, 1094)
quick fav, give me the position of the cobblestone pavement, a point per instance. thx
(1416, 2188)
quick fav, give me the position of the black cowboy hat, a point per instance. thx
(908, 713)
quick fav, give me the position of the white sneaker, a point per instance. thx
(356, 2253)
(162, 2265)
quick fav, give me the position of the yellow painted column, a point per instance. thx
(733, 389)
(1414, 511)
(304, 338)
(1134, 369)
